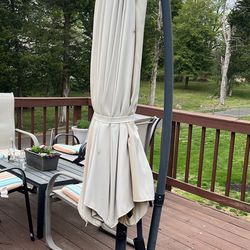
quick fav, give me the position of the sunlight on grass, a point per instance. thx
(199, 96)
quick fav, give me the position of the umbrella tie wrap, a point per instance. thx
(114, 119)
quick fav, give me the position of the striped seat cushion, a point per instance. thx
(9, 181)
(3, 153)
(68, 149)
(72, 191)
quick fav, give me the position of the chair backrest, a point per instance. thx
(7, 119)
(146, 129)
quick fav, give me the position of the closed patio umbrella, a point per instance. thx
(117, 181)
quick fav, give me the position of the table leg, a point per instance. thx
(40, 211)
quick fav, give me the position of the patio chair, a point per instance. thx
(70, 193)
(9, 181)
(76, 153)
(73, 153)
(7, 122)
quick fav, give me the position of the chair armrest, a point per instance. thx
(50, 185)
(48, 236)
(23, 176)
(81, 154)
(32, 136)
(64, 134)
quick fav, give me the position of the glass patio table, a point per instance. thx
(40, 180)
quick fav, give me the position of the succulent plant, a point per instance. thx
(42, 150)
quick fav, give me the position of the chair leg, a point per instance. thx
(32, 236)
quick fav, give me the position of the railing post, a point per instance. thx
(171, 155)
(77, 113)
(19, 125)
(90, 112)
(32, 123)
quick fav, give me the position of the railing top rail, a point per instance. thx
(200, 119)
(28, 102)
(212, 121)
(194, 118)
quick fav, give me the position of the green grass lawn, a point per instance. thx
(207, 166)
(199, 96)
(202, 97)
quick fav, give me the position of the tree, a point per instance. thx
(156, 56)
(194, 38)
(239, 19)
(225, 60)
(15, 49)
(45, 46)
(153, 55)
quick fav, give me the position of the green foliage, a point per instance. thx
(152, 35)
(41, 150)
(32, 48)
(83, 123)
(194, 37)
(240, 21)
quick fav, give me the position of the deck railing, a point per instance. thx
(197, 145)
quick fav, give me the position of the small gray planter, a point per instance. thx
(42, 162)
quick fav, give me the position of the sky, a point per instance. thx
(231, 3)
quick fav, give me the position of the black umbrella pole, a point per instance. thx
(167, 124)
(121, 237)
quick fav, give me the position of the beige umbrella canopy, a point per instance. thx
(117, 177)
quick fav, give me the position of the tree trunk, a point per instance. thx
(155, 60)
(186, 81)
(154, 73)
(227, 33)
(65, 70)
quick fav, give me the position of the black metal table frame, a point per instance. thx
(41, 187)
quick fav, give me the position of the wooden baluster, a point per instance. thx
(171, 155)
(245, 168)
(44, 124)
(67, 125)
(19, 120)
(176, 149)
(189, 144)
(90, 112)
(230, 163)
(215, 159)
(56, 121)
(77, 114)
(201, 159)
(32, 123)
(19, 125)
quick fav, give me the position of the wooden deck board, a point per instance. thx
(184, 225)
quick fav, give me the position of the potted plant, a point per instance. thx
(81, 130)
(42, 158)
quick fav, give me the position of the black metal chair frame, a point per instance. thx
(24, 190)
(82, 149)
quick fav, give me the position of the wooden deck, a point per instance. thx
(184, 225)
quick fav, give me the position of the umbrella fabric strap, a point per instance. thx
(112, 119)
